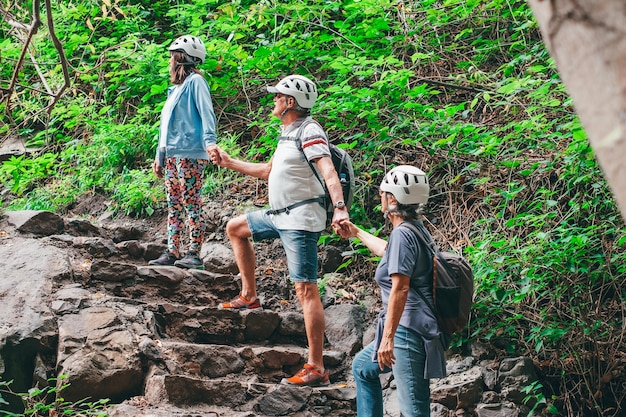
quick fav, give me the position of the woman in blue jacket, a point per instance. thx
(186, 136)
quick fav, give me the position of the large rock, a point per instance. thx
(42, 223)
(205, 360)
(12, 146)
(219, 258)
(459, 390)
(344, 327)
(112, 271)
(497, 410)
(99, 350)
(28, 270)
(515, 375)
(284, 400)
(179, 389)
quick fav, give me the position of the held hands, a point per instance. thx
(340, 217)
(214, 154)
(343, 226)
(218, 156)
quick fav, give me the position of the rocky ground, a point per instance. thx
(77, 298)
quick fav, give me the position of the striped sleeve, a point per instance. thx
(314, 142)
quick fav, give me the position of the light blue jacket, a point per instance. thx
(192, 122)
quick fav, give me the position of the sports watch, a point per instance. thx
(339, 205)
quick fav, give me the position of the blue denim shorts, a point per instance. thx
(300, 245)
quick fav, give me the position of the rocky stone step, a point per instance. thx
(263, 364)
(241, 378)
(242, 395)
(176, 395)
(211, 325)
(231, 399)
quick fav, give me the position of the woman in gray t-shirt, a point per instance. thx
(408, 341)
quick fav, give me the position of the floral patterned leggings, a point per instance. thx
(183, 183)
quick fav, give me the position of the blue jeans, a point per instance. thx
(408, 371)
(300, 245)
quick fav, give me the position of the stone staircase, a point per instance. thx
(203, 360)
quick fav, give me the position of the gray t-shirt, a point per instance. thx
(407, 256)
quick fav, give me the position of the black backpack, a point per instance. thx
(345, 172)
(453, 286)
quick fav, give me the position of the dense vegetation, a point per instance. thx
(463, 89)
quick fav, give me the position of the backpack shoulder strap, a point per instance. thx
(299, 145)
(300, 131)
(428, 243)
(432, 249)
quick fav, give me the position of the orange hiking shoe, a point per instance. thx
(308, 376)
(240, 303)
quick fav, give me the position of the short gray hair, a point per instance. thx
(407, 211)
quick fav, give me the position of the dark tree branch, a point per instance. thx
(449, 85)
(62, 58)
(31, 30)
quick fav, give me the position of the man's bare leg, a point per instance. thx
(239, 234)
(314, 321)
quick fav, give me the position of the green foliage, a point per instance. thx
(135, 193)
(56, 196)
(19, 173)
(535, 398)
(47, 401)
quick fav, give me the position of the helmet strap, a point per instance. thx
(287, 110)
(295, 108)
(391, 213)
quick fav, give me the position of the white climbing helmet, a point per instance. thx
(190, 45)
(409, 185)
(300, 88)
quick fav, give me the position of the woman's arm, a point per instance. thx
(375, 244)
(400, 285)
(204, 103)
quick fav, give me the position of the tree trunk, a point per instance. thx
(587, 39)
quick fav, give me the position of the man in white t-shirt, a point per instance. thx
(296, 215)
